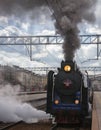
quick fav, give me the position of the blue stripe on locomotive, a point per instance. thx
(62, 106)
(66, 107)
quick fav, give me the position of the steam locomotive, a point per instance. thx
(68, 94)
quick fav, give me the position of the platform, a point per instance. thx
(27, 98)
(96, 113)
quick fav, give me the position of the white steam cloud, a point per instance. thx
(12, 110)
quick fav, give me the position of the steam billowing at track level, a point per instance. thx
(12, 110)
(67, 14)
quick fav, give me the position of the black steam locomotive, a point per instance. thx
(68, 94)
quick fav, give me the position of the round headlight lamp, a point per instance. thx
(67, 68)
(56, 102)
(76, 101)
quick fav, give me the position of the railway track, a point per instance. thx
(36, 99)
(37, 126)
(6, 126)
(24, 126)
(41, 125)
(29, 93)
(69, 127)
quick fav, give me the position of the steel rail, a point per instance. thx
(29, 93)
(4, 126)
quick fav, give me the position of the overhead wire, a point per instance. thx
(78, 58)
(50, 4)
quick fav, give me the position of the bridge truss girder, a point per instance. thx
(51, 40)
(48, 40)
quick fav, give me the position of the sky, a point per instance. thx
(39, 21)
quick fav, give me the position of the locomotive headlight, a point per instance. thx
(56, 102)
(67, 68)
(76, 101)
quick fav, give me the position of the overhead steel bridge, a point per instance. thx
(49, 40)
(52, 40)
(46, 40)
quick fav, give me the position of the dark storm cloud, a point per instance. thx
(10, 6)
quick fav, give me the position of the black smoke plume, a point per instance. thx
(67, 13)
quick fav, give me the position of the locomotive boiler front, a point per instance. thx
(68, 79)
(67, 94)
